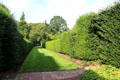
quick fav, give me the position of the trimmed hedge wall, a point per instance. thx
(55, 45)
(106, 30)
(12, 44)
(83, 47)
(67, 43)
(95, 36)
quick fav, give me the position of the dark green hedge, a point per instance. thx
(12, 44)
(106, 30)
(95, 36)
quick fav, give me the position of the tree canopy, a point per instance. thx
(38, 33)
(57, 24)
(23, 27)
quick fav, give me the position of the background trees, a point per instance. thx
(38, 33)
(41, 32)
(57, 24)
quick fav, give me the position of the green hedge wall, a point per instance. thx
(54, 45)
(106, 30)
(95, 36)
(67, 43)
(63, 45)
(12, 44)
(83, 48)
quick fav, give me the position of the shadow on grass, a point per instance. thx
(47, 63)
(38, 62)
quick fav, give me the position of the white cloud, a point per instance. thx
(99, 5)
(70, 10)
(16, 5)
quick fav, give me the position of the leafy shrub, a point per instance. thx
(105, 72)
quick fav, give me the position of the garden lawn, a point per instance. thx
(40, 60)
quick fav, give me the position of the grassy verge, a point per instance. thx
(41, 59)
(104, 72)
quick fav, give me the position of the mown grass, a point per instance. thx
(104, 72)
(40, 60)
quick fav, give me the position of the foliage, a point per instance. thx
(57, 24)
(67, 43)
(23, 26)
(105, 33)
(12, 45)
(82, 41)
(56, 45)
(94, 37)
(74, 43)
(104, 72)
(63, 45)
(38, 33)
(41, 60)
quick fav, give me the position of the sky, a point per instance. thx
(41, 10)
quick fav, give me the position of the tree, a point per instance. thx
(38, 33)
(23, 27)
(57, 24)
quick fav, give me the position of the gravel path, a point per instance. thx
(55, 75)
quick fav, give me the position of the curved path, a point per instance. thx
(55, 75)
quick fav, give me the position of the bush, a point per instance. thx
(12, 45)
(105, 72)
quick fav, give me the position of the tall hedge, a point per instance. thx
(95, 36)
(67, 43)
(12, 44)
(106, 30)
(54, 45)
(83, 48)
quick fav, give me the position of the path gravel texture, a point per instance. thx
(55, 75)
